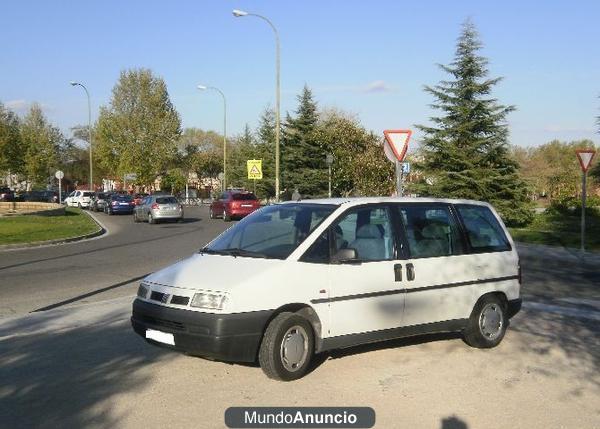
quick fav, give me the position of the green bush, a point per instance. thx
(572, 205)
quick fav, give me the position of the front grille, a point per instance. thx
(159, 296)
(180, 300)
(162, 322)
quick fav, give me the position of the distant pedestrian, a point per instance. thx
(296, 195)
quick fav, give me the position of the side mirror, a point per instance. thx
(347, 256)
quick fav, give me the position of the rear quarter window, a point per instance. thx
(484, 232)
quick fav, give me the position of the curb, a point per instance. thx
(22, 246)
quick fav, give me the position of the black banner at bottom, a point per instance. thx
(300, 417)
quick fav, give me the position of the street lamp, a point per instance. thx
(329, 160)
(73, 83)
(202, 88)
(240, 13)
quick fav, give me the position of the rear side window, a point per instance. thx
(431, 231)
(166, 200)
(243, 197)
(483, 230)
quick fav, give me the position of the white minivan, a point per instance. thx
(299, 278)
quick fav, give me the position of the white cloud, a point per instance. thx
(18, 106)
(378, 86)
(21, 106)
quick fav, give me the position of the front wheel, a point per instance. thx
(487, 323)
(287, 347)
(211, 214)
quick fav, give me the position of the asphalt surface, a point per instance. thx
(102, 268)
(77, 362)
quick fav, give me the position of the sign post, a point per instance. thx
(254, 170)
(395, 147)
(585, 157)
(59, 175)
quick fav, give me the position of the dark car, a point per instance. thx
(234, 204)
(99, 201)
(6, 194)
(119, 204)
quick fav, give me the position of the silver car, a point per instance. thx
(155, 208)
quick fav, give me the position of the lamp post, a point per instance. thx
(202, 88)
(329, 160)
(73, 83)
(240, 13)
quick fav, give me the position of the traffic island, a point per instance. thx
(37, 229)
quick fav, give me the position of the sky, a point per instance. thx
(368, 58)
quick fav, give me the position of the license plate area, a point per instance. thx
(161, 337)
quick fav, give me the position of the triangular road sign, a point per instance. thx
(397, 141)
(585, 156)
(254, 170)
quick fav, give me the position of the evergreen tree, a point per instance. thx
(242, 150)
(303, 156)
(465, 151)
(265, 142)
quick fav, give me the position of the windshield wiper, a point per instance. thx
(235, 252)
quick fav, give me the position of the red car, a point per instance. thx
(234, 204)
(137, 199)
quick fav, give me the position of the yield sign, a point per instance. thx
(585, 157)
(397, 141)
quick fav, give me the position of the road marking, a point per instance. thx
(565, 311)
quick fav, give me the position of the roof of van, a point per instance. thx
(365, 200)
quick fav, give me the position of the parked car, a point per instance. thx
(300, 278)
(79, 199)
(138, 198)
(99, 201)
(6, 194)
(119, 203)
(156, 208)
(233, 204)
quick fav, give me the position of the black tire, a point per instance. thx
(211, 214)
(135, 218)
(271, 355)
(110, 212)
(151, 220)
(487, 323)
(79, 206)
(226, 217)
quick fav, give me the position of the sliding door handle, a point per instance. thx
(398, 272)
(410, 272)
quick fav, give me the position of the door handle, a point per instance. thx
(410, 272)
(398, 272)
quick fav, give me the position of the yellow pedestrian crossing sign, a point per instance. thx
(255, 169)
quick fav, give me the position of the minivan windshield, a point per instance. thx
(271, 232)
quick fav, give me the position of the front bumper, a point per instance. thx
(514, 306)
(227, 337)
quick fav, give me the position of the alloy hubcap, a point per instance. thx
(491, 321)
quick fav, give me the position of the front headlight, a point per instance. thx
(142, 291)
(210, 300)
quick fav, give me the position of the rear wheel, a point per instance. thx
(487, 323)
(135, 217)
(151, 219)
(211, 213)
(226, 217)
(287, 347)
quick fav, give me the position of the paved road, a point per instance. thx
(78, 364)
(102, 268)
